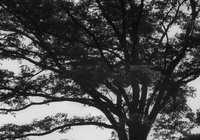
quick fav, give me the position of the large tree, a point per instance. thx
(114, 55)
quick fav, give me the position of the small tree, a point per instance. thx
(116, 56)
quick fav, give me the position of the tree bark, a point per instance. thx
(135, 132)
(122, 135)
(138, 131)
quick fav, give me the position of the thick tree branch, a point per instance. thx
(172, 92)
(135, 28)
(143, 97)
(118, 90)
(105, 108)
(190, 75)
(135, 96)
(149, 101)
(29, 105)
(158, 100)
(99, 98)
(124, 23)
(100, 124)
(48, 97)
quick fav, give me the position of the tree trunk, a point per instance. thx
(136, 132)
(122, 135)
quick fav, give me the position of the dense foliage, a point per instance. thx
(115, 55)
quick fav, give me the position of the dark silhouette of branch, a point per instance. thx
(59, 128)
(29, 105)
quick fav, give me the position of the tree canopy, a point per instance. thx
(114, 55)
